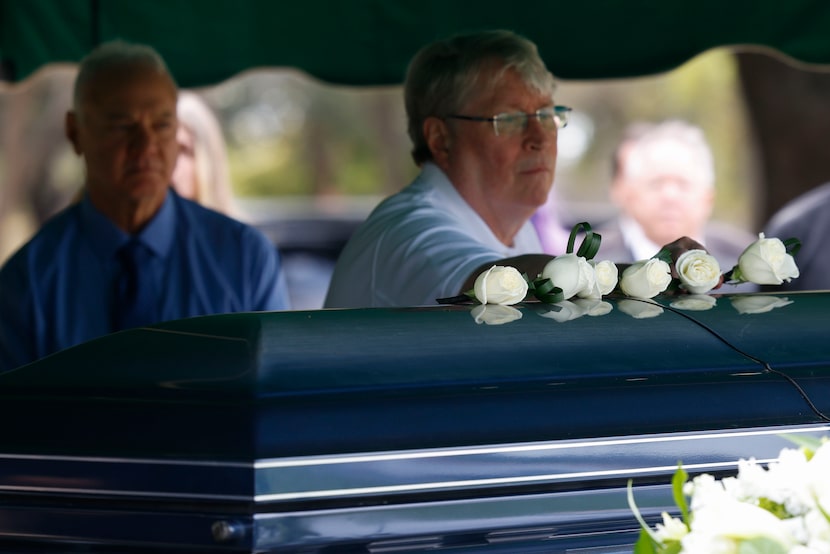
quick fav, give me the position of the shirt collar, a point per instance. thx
(525, 241)
(641, 247)
(106, 238)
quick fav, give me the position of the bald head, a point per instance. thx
(124, 126)
(114, 61)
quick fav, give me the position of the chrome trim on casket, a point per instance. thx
(126, 477)
(433, 470)
(419, 472)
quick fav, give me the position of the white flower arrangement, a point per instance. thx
(575, 275)
(784, 508)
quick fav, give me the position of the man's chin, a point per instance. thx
(142, 186)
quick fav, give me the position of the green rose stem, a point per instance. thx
(590, 244)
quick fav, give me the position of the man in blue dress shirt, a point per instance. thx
(65, 286)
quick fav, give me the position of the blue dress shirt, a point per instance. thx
(58, 289)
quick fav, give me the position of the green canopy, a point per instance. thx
(369, 42)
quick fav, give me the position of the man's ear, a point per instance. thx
(437, 138)
(70, 127)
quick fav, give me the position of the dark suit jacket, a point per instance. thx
(806, 218)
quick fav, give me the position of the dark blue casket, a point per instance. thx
(454, 428)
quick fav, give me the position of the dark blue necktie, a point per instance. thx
(134, 303)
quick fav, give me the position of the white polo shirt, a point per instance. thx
(418, 245)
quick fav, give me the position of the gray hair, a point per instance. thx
(444, 74)
(114, 55)
(642, 135)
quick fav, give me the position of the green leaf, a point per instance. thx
(793, 245)
(672, 547)
(761, 545)
(665, 255)
(546, 291)
(734, 276)
(645, 544)
(775, 508)
(590, 244)
(678, 480)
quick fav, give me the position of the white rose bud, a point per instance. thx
(766, 262)
(646, 278)
(500, 285)
(606, 276)
(698, 270)
(495, 314)
(571, 273)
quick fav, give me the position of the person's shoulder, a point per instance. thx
(222, 233)
(809, 210)
(41, 247)
(212, 220)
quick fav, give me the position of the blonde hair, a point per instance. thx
(212, 174)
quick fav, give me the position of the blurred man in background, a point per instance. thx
(131, 252)
(663, 185)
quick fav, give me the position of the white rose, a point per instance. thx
(766, 262)
(639, 309)
(646, 278)
(605, 279)
(695, 302)
(758, 304)
(699, 271)
(500, 285)
(495, 314)
(571, 273)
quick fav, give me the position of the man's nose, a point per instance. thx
(144, 138)
(536, 135)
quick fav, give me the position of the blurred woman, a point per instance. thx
(201, 172)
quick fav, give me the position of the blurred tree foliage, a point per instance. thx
(291, 135)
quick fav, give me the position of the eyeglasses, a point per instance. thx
(506, 124)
